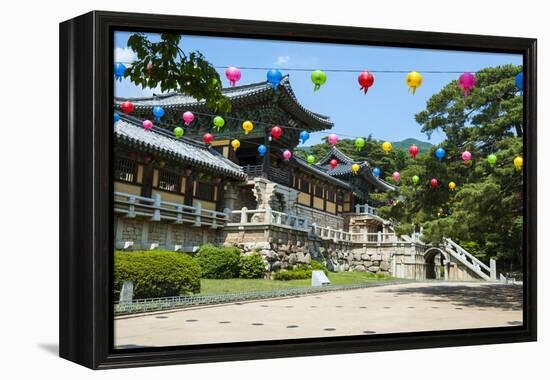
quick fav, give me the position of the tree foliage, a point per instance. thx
(166, 65)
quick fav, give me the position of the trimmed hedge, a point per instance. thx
(300, 272)
(219, 262)
(156, 273)
(252, 266)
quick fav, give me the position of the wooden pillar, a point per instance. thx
(147, 182)
(267, 155)
(188, 198)
(220, 196)
(325, 195)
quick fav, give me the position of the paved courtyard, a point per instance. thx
(419, 306)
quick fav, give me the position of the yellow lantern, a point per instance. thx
(414, 80)
(235, 144)
(386, 146)
(452, 185)
(518, 163)
(248, 127)
(354, 168)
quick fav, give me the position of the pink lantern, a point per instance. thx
(147, 125)
(466, 82)
(466, 156)
(332, 139)
(188, 117)
(396, 176)
(287, 154)
(233, 75)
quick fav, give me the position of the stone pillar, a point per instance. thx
(493, 267)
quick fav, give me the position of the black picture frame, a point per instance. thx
(86, 188)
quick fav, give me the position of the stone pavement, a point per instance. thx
(419, 306)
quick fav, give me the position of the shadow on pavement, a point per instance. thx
(505, 297)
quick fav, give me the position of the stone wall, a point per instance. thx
(321, 218)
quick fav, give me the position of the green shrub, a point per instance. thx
(295, 274)
(316, 265)
(252, 266)
(219, 262)
(156, 273)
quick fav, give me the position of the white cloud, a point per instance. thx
(125, 55)
(282, 60)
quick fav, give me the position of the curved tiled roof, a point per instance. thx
(130, 130)
(250, 92)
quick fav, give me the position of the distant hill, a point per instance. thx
(405, 144)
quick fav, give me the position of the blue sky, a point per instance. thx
(386, 111)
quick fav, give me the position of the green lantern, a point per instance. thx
(310, 159)
(359, 143)
(318, 77)
(219, 122)
(492, 159)
(415, 179)
(178, 132)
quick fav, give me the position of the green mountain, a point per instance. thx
(405, 144)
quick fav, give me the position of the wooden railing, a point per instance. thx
(252, 171)
(156, 209)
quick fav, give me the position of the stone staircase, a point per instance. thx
(482, 271)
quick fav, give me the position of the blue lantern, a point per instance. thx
(304, 136)
(376, 172)
(262, 149)
(116, 117)
(158, 112)
(119, 71)
(440, 153)
(274, 77)
(519, 82)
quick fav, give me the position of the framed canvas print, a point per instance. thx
(237, 189)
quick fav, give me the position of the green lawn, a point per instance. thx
(236, 285)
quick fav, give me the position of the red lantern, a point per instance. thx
(413, 150)
(333, 163)
(433, 183)
(207, 138)
(127, 107)
(276, 132)
(366, 80)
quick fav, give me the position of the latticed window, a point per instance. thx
(205, 191)
(169, 181)
(318, 191)
(304, 186)
(124, 170)
(331, 195)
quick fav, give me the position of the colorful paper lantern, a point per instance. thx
(355, 168)
(147, 125)
(276, 132)
(207, 138)
(158, 112)
(318, 77)
(387, 147)
(413, 150)
(440, 153)
(233, 75)
(287, 154)
(332, 139)
(188, 117)
(127, 107)
(235, 144)
(414, 80)
(365, 80)
(178, 132)
(218, 122)
(415, 179)
(333, 163)
(466, 82)
(466, 156)
(492, 159)
(452, 186)
(359, 143)
(262, 149)
(149, 67)
(274, 77)
(248, 127)
(310, 159)
(119, 71)
(376, 172)
(304, 136)
(396, 176)
(433, 183)
(116, 117)
(519, 82)
(518, 163)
